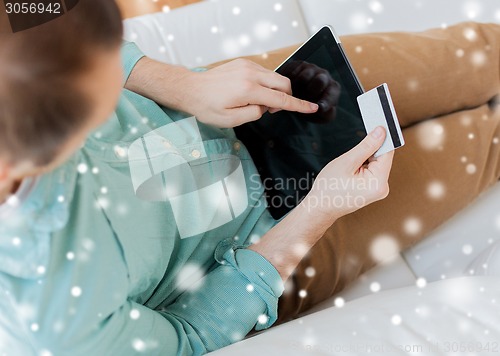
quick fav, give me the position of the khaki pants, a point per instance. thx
(445, 85)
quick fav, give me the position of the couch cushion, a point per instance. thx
(208, 32)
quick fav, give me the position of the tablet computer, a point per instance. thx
(289, 149)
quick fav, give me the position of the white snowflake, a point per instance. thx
(376, 6)
(262, 30)
(244, 40)
(16, 241)
(467, 249)
(302, 293)
(384, 248)
(479, 58)
(310, 272)
(102, 203)
(70, 255)
(358, 22)
(82, 168)
(430, 135)
(339, 302)
(375, 287)
(230, 47)
(139, 345)
(396, 319)
(190, 277)
(135, 314)
(472, 9)
(13, 201)
(263, 319)
(412, 226)
(236, 10)
(471, 168)
(460, 53)
(76, 291)
(470, 34)
(421, 282)
(41, 269)
(278, 7)
(436, 190)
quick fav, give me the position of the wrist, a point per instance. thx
(184, 85)
(315, 213)
(168, 85)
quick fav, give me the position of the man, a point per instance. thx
(95, 258)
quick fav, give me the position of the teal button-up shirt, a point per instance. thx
(136, 245)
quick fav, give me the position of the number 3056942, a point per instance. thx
(32, 8)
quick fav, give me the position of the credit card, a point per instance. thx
(377, 109)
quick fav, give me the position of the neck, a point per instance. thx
(7, 189)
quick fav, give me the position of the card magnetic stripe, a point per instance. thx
(389, 117)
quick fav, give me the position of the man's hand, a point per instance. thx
(225, 96)
(353, 180)
(346, 184)
(240, 91)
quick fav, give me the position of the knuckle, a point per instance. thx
(284, 99)
(246, 86)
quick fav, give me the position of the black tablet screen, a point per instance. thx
(289, 149)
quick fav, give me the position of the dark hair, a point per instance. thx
(40, 104)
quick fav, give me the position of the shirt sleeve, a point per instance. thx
(228, 302)
(130, 54)
(241, 293)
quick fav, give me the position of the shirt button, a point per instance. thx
(195, 153)
(315, 146)
(237, 146)
(270, 144)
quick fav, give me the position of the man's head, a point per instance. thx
(58, 81)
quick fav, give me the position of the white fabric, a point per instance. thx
(211, 31)
(456, 315)
(348, 16)
(449, 250)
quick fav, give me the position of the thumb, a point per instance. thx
(366, 148)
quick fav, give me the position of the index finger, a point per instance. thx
(279, 100)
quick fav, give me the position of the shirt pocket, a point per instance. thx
(202, 180)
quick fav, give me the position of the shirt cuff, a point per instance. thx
(131, 54)
(261, 275)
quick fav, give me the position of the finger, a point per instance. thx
(366, 148)
(280, 100)
(275, 81)
(246, 114)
